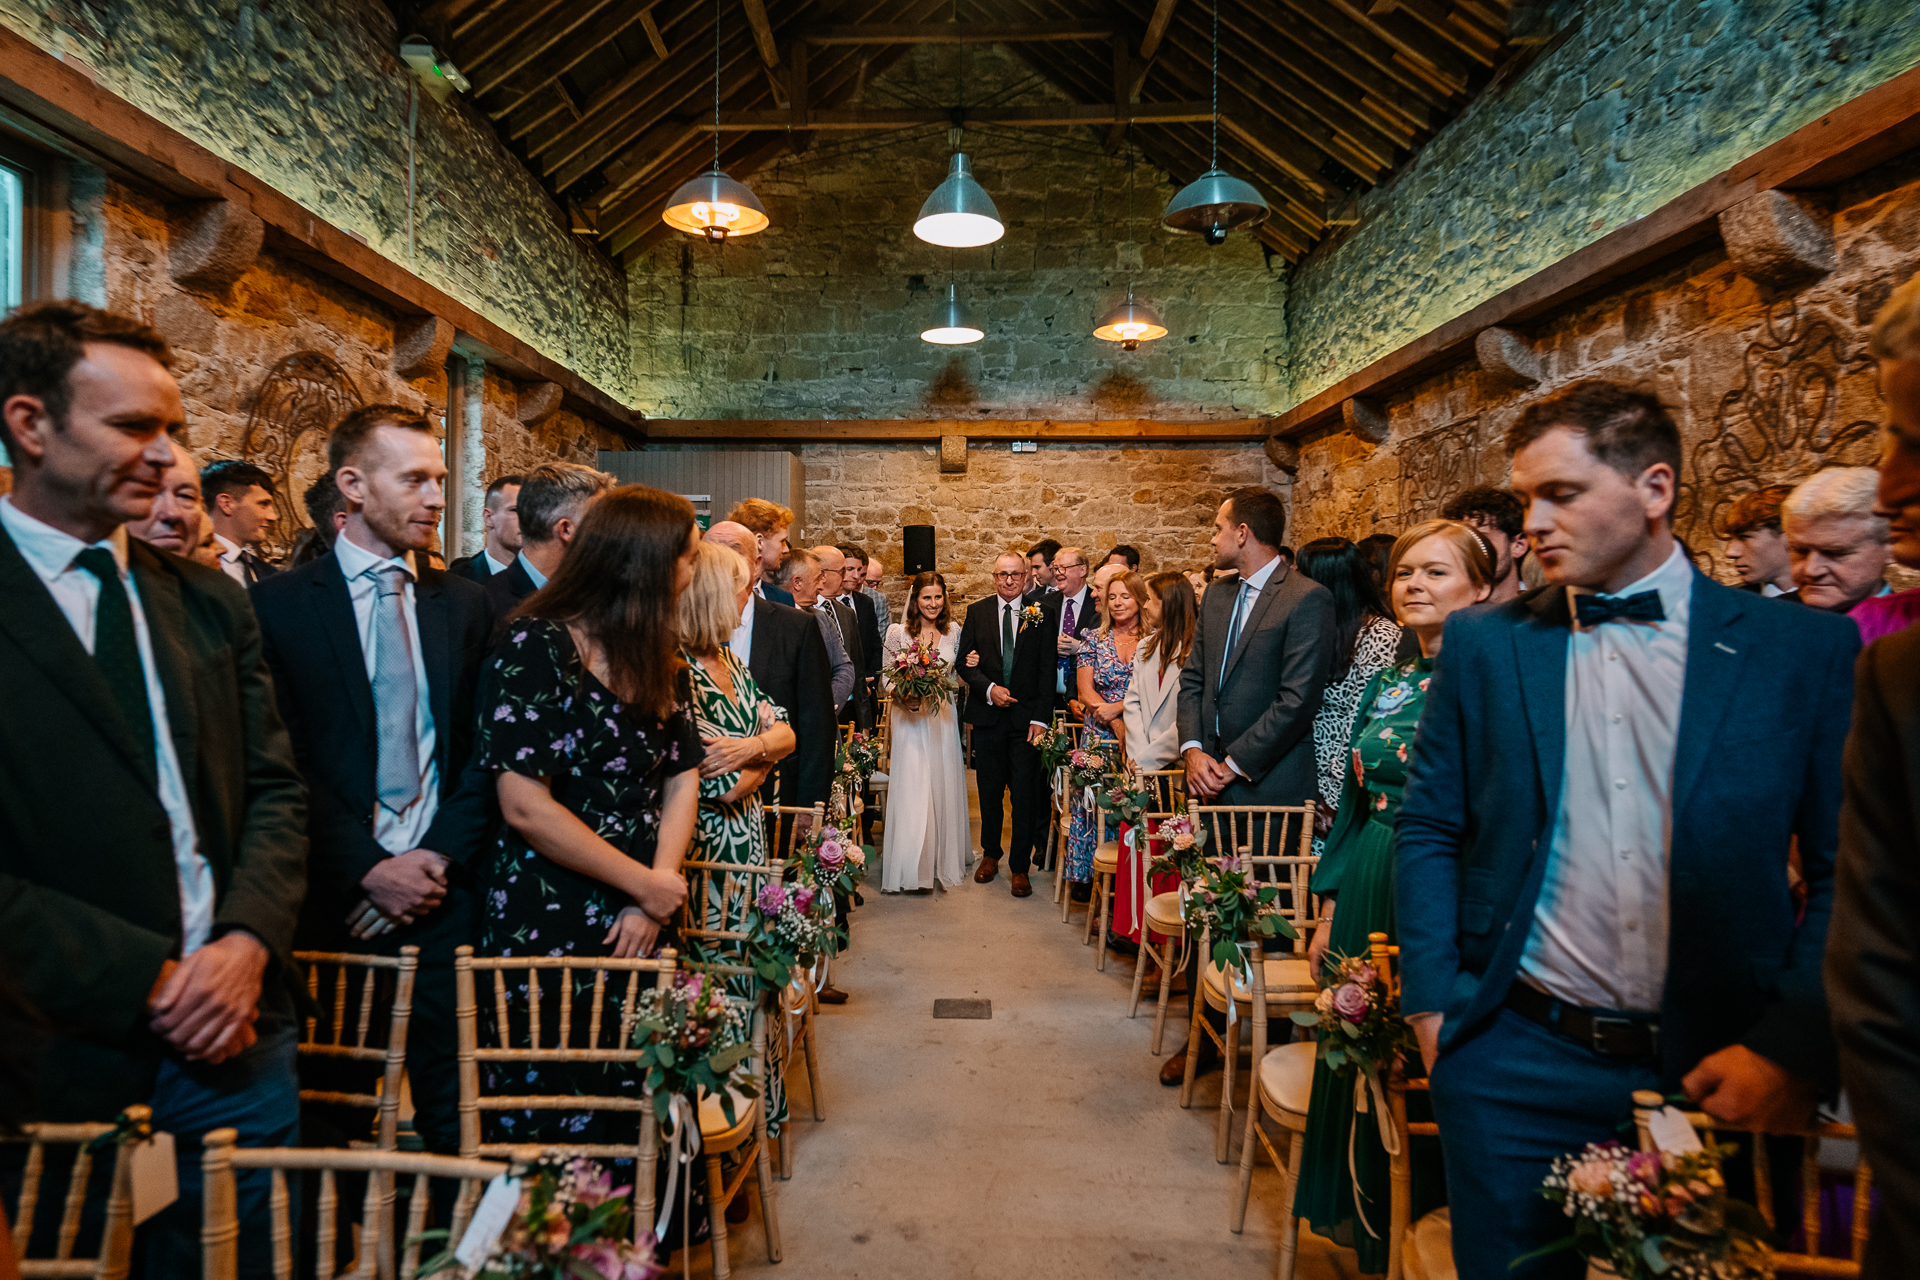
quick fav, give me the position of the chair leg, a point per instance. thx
(1195, 1030)
(717, 1215)
(1106, 917)
(786, 1152)
(1289, 1224)
(1160, 1005)
(813, 1068)
(1248, 1141)
(1093, 909)
(1140, 971)
(763, 1171)
(1229, 1060)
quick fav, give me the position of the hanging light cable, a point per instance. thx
(1215, 202)
(713, 204)
(1130, 323)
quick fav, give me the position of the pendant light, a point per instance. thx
(1216, 202)
(959, 214)
(1130, 323)
(952, 326)
(713, 204)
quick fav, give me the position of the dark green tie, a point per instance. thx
(1006, 646)
(115, 651)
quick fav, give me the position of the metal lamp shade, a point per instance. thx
(952, 326)
(1213, 204)
(1130, 324)
(715, 206)
(959, 214)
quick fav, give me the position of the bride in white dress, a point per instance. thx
(929, 833)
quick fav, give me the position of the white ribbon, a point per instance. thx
(682, 1146)
(1133, 844)
(1363, 1082)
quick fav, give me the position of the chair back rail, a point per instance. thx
(1247, 830)
(335, 973)
(732, 887)
(783, 826)
(116, 1238)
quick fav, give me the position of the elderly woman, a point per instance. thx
(1840, 548)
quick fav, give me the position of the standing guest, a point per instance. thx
(150, 914)
(1592, 886)
(376, 658)
(1873, 966)
(770, 523)
(1040, 576)
(1198, 580)
(1286, 556)
(327, 510)
(1438, 567)
(859, 628)
(1366, 639)
(174, 524)
(1378, 549)
(554, 500)
(875, 573)
(1102, 674)
(1151, 707)
(500, 521)
(586, 726)
(1841, 546)
(1756, 547)
(1075, 615)
(239, 500)
(1497, 516)
(873, 613)
(1253, 680)
(800, 576)
(1125, 555)
(1006, 658)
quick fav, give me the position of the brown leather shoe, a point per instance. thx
(1022, 887)
(831, 994)
(1174, 1070)
(989, 868)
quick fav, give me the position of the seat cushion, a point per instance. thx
(1163, 913)
(1289, 982)
(1286, 1077)
(715, 1133)
(1107, 856)
(1429, 1248)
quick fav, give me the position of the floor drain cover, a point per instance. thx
(963, 1008)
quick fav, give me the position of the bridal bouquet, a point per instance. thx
(571, 1223)
(1234, 909)
(1358, 1016)
(1185, 846)
(792, 927)
(693, 1039)
(919, 672)
(831, 860)
(1642, 1214)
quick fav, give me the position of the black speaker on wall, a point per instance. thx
(918, 539)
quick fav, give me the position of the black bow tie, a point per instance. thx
(1592, 610)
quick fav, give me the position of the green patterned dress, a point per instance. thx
(1357, 868)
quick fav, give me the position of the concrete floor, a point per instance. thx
(1038, 1143)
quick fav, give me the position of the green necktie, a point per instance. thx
(1006, 647)
(115, 651)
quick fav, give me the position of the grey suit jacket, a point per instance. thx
(1261, 713)
(844, 672)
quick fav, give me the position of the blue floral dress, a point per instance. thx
(544, 715)
(1110, 679)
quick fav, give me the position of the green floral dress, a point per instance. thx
(1357, 868)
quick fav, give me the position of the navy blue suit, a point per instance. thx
(1757, 764)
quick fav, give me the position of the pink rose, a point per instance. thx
(1350, 1002)
(1593, 1178)
(1364, 974)
(1644, 1167)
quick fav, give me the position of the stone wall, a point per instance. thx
(1767, 387)
(312, 98)
(820, 315)
(1161, 500)
(1644, 101)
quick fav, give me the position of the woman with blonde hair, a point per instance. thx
(1103, 670)
(1434, 569)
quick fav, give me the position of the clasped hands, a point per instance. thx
(1207, 777)
(636, 928)
(205, 1005)
(400, 890)
(745, 756)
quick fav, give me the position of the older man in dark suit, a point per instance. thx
(1593, 891)
(152, 823)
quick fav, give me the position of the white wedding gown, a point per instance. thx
(929, 833)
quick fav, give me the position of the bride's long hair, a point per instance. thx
(911, 620)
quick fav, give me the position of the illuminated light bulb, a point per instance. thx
(715, 206)
(1129, 324)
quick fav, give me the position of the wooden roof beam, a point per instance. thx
(762, 31)
(522, 53)
(1448, 23)
(1226, 430)
(607, 104)
(956, 32)
(1299, 146)
(1342, 74)
(1053, 115)
(1446, 79)
(550, 66)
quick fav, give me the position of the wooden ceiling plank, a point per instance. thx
(467, 23)
(1156, 29)
(654, 38)
(684, 86)
(442, 12)
(488, 43)
(1052, 115)
(1303, 143)
(956, 32)
(607, 28)
(1341, 73)
(756, 11)
(566, 29)
(1371, 47)
(1415, 26)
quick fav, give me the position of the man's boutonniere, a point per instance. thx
(1030, 616)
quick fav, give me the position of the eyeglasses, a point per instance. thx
(1009, 576)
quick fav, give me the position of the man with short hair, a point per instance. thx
(858, 627)
(1838, 546)
(326, 507)
(553, 499)
(500, 520)
(174, 524)
(769, 523)
(1873, 958)
(239, 501)
(1040, 575)
(872, 613)
(376, 660)
(152, 823)
(874, 576)
(1077, 616)
(1128, 555)
(1497, 516)
(800, 575)
(1756, 547)
(1609, 777)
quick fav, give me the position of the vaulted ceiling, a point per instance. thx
(611, 102)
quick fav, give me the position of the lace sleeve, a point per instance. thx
(890, 649)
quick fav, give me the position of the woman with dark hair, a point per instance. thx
(1366, 637)
(929, 834)
(1168, 616)
(585, 724)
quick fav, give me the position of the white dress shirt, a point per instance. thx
(395, 832)
(1249, 589)
(50, 554)
(539, 578)
(1599, 937)
(493, 566)
(230, 554)
(741, 641)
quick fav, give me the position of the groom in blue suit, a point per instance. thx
(1593, 889)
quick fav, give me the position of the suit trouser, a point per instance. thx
(1509, 1099)
(1004, 762)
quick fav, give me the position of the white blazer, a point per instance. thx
(1151, 713)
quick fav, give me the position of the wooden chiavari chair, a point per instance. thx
(1160, 913)
(882, 780)
(784, 833)
(1276, 985)
(329, 980)
(1167, 785)
(116, 1237)
(374, 1249)
(1062, 818)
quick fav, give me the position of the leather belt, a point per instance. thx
(1613, 1035)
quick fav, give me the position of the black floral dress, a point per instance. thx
(543, 715)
